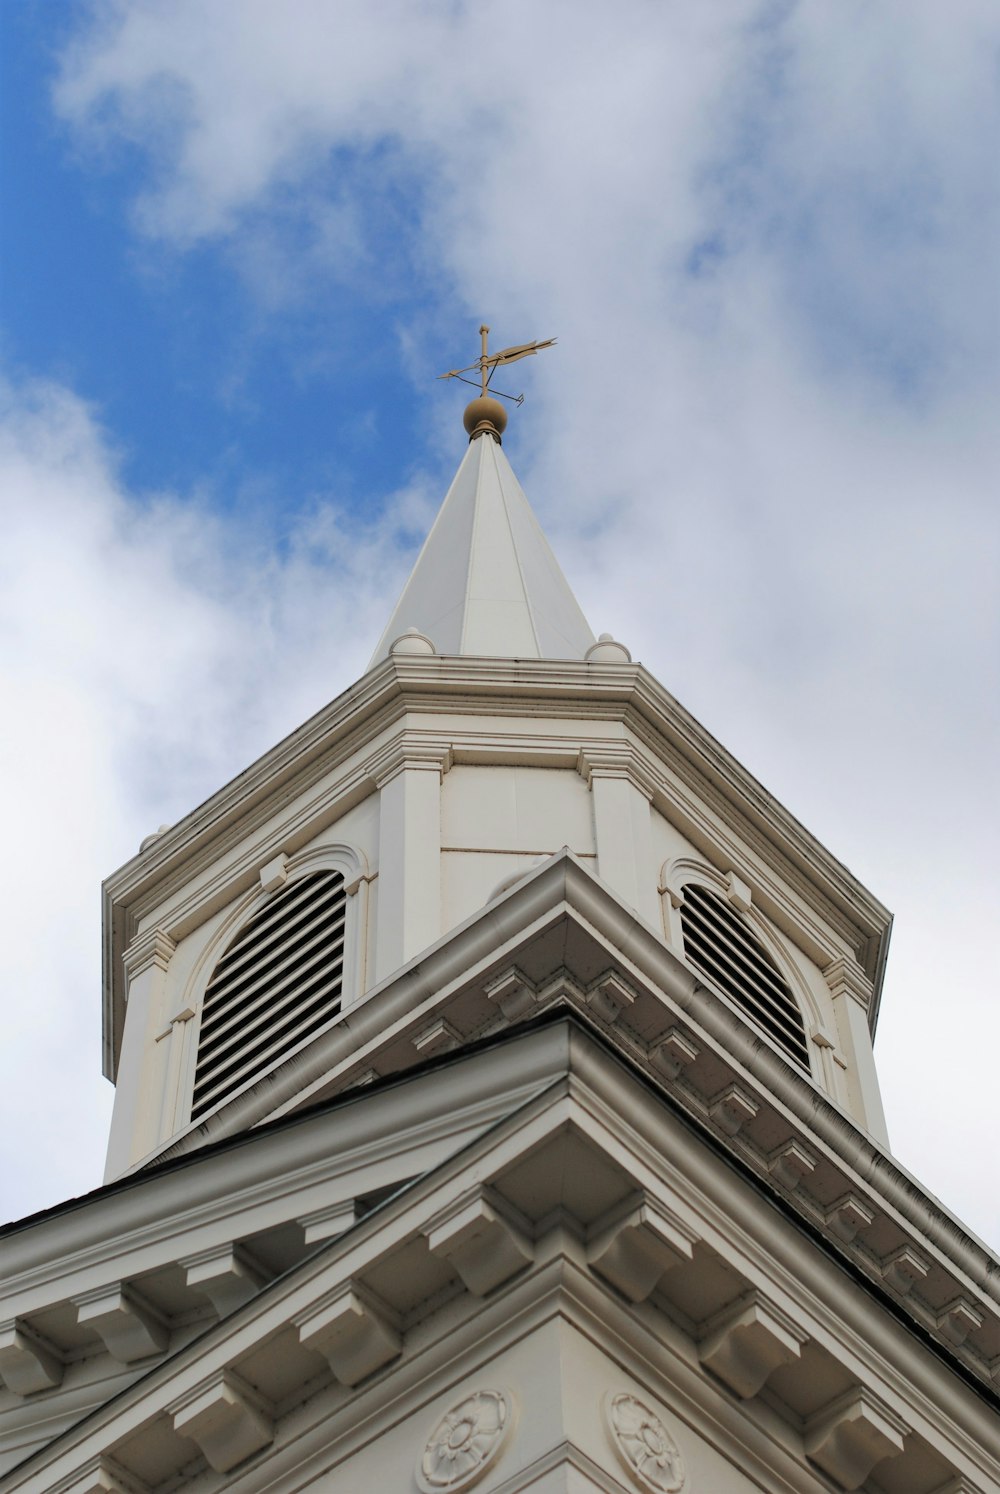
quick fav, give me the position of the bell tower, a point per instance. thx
(496, 1107)
(492, 733)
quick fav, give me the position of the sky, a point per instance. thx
(238, 243)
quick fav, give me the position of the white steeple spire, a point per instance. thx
(486, 581)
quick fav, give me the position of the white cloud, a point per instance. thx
(766, 447)
(144, 651)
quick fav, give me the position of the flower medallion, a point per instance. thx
(465, 1441)
(644, 1445)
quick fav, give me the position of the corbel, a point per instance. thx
(904, 1269)
(849, 1215)
(28, 1362)
(326, 1224)
(101, 1475)
(130, 1326)
(228, 1276)
(436, 1037)
(747, 1342)
(226, 1418)
(674, 1051)
(479, 1242)
(638, 1247)
(513, 993)
(354, 1331)
(609, 996)
(738, 893)
(848, 1438)
(791, 1163)
(958, 1320)
(733, 1108)
(274, 873)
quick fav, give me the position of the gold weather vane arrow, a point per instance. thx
(488, 363)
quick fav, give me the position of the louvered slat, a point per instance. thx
(279, 982)
(723, 948)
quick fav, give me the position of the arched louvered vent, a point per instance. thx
(720, 944)
(278, 982)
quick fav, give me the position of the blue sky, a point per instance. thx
(238, 243)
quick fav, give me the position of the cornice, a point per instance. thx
(339, 734)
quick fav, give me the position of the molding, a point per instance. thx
(149, 951)
(408, 753)
(629, 1129)
(845, 977)
(620, 760)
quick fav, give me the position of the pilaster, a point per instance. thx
(139, 1094)
(852, 995)
(408, 777)
(622, 794)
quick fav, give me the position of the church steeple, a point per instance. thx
(486, 581)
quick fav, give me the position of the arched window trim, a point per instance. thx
(352, 865)
(735, 890)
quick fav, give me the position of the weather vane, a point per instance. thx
(488, 363)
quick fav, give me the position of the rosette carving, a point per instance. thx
(465, 1442)
(644, 1445)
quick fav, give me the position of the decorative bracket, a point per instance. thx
(732, 1109)
(674, 1052)
(958, 1320)
(790, 1163)
(847, 1438)
(746, 1343)
(513, 993)
(484, 1248)
(905, 1268)
(435, 1038)
(28, 1363)
(227, 1419)
(639, 1247)
(228, 1276)
(102, 1475)
(130, 1326)
(354, 1332)
(848, 1216)
(609, 996)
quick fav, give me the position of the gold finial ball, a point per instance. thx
(485, 416)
